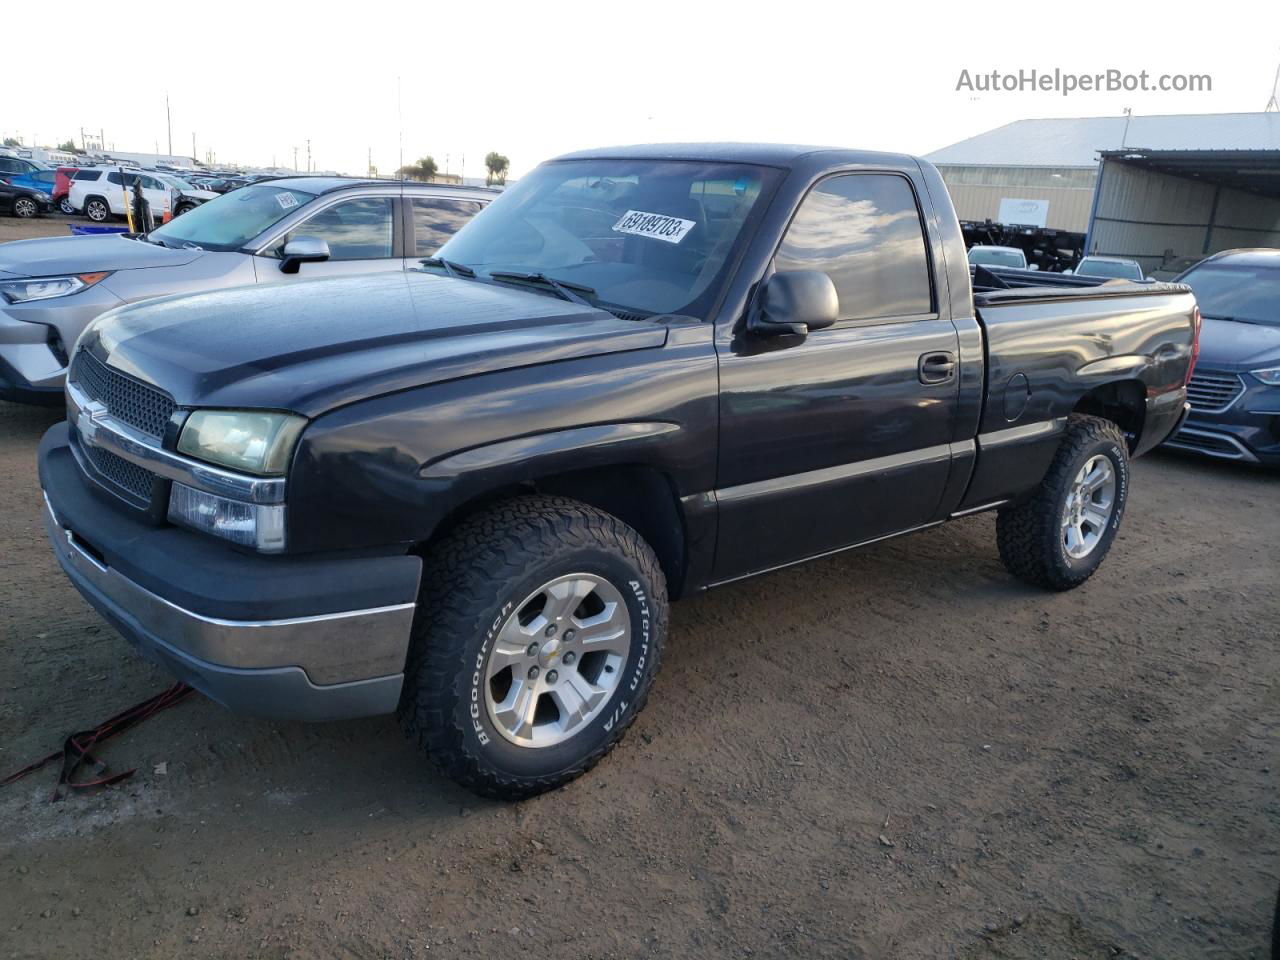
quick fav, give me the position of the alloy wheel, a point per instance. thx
(557, 660)
(1091, 499)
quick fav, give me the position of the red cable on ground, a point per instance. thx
(75, 749)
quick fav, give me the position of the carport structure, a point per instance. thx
(1161, 206)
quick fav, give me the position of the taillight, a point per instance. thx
(1195, 344)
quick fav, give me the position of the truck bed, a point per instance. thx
(1051, 339)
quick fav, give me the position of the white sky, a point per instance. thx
(535, 79)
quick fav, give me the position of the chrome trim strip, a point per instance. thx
(845, 471)
(331, 647)
(1028, 431)
(986, 506)
(1241, 454)
(97, 428)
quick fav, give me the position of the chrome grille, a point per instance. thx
(1213, 392)
(126, 475)
(127, 400)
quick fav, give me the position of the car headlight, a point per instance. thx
(1269, 376)
(255, 441)
(46, 288)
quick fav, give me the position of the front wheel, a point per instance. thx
(65, 206)
(538, 634)
(26, 208)
(1059, 537)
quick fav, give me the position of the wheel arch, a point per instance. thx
(1123, 402)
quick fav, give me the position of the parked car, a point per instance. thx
(17, 166)
(101, 193)
(188, 196)
(989, 256)
(1235, 392)
(1173, 268)
(279, 231)
(43, 180)
(1111, 268)
(24, 202)
(467, 492)
(62, 189)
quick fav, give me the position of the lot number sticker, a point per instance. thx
(286, 199)
(653, 225)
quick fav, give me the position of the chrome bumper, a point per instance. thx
(331, 666)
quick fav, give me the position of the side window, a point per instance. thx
(88, 174)
(864, 232)
(114, 177)
(354, 229)
(9, 166)
(435, 220)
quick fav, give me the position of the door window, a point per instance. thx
(436, 219)
(354, 229)
(864, 232)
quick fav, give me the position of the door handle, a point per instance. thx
(937, 367)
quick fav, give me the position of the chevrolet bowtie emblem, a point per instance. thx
(87, 423)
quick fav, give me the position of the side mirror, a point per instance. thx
(794, 302)
(1033, 266)
(302, 250)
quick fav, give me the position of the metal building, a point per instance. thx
(1169, 188)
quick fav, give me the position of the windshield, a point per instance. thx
(233, 219)
(646, 236)
(1251, 294)
(1109, 268)
(997, 258)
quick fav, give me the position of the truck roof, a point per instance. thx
(320, 185)
(763, 154)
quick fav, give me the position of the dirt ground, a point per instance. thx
(50, 225)
(896, 752)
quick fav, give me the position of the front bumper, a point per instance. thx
(30, 370)
(1247, 429)
(317, 638)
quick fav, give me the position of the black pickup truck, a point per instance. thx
(467, 494)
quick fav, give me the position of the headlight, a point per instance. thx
(46, 288)
(251, 440)
(248, 524)
(1269, 376)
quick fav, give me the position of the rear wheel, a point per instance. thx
(183, 209)
(65, 206)
(26, 208)
(97, 210)
(538, 635)
(1059, 537)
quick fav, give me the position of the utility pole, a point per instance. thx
(168, 120)
(194, 156)
(308, 156)
(400, 124)
(295, 159)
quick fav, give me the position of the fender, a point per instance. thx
(546, 451)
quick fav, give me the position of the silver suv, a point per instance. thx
(276, 231)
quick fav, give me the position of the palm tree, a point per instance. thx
(497, 166)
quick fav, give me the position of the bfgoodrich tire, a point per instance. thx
(538, 634)
(1059, 537)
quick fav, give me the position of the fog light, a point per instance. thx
(248, 524)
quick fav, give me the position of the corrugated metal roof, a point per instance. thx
(1075, 142)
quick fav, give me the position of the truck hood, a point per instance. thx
(52, 256)
(1231, 345)
(312, 346)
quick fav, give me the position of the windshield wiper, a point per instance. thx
(566, 289)
(451, 267)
